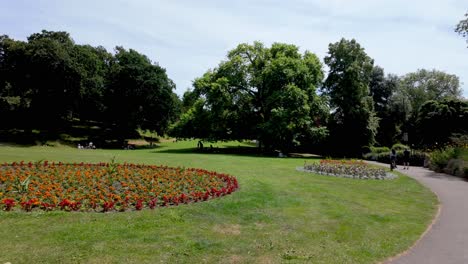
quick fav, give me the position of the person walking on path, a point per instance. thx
(406, 158)
(393, 156)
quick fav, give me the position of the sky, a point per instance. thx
(188, 37)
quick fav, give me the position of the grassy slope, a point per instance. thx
(278, 215)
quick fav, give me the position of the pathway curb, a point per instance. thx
(429, 228)
(445, 240)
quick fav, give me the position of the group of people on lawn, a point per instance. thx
(90, 145)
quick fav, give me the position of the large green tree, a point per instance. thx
(439, 120)
(414, 90)
(386, 106)
(42, 73)
(139, 95)
(53, 78)
(14, 91)
(49, 83)
(268, 94)
(347, 84)
(92, 65)
(424, 85)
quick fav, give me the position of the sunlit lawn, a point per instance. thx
(278, 215)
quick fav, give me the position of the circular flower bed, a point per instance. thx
(106, 187)
(348, 169)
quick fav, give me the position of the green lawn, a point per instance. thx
(278, 215)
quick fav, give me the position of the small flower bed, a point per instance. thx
(106, 187)
(347, 168)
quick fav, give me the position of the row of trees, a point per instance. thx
(48, 82)
(275, 95)
(279, 97)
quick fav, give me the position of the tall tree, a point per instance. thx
(54, 78)
(14, 100)
(49, 82)
(139, 95)
(41, 72)
(424, 85)
(382, 90)
(260, 93)
(92, 65)
(347, 84)
(413, 91)
(439, 120)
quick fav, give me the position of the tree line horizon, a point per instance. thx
(276, 95)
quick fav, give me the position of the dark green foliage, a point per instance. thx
(414, 90)
(399, 147)
(139, 94)
(440, 158)
(268, 94)
(354, 120)
(424, 85)
(439, 120)
(451, 158)
(49, 82)
(379, 150)
(417, 158)
(391, 116)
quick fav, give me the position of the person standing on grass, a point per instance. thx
(406, 157)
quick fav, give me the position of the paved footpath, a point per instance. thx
(447, 241)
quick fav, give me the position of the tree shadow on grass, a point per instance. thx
(234, 151)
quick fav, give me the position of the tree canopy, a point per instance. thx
(462, 27)
(439, 120)
(275, 95)
(354, 121)
(386, 106)
(424, 85)
(48, 82)
(267, 94)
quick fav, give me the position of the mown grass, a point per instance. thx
(278, 215)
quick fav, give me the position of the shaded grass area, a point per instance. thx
(278, 215)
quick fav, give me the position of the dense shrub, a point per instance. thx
(416, 157)
(449, 160)
(439, 158)
(399, 147)
(456, 167)
(379, 150)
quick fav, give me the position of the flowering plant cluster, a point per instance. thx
(106, 187)
(347, 168)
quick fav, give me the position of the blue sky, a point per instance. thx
(188, 37)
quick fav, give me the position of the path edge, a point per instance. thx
(428, 229)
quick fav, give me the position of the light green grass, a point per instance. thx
(278, 215)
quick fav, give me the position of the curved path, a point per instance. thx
(447, 241)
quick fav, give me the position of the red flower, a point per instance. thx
(8, 204)
(139, 205)
(107, 206)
